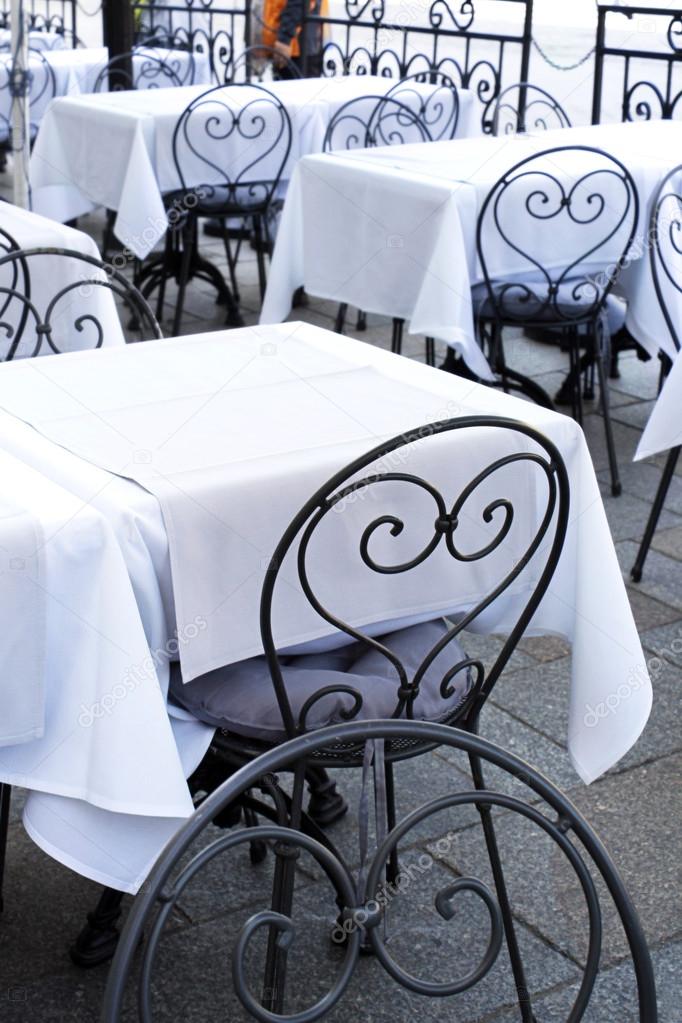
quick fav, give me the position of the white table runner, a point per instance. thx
(242, 455)
(393, 230)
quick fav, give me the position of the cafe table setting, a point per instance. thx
(115, 150)
(393, 230)
(183, 459)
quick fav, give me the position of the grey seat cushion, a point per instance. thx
(241, 698)
(536, 309)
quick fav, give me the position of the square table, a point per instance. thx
(196, 452)
(115, 150)
(393, 230)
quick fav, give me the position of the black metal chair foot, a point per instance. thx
(326, 804)
(97, 942)
(258, 852)
(636, 575)
(617, 489)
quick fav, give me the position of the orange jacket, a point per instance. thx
(272, 14)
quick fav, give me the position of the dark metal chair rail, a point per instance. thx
(642, 100)
(143, 70)
(363, 909)
(41, 325)
(535, 109)
(399, 50)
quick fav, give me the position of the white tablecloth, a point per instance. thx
(75, 72)
(393, 230)
(242, 490)
(664, 429)
(49, 274)
(116, 150)
(22, 606)
(107, 748)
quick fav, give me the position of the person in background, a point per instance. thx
(282, 28)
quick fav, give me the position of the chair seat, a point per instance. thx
(219, 200)
(241, 698)
(521, 308)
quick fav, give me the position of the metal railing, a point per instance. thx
(642, 99)
(442, 35)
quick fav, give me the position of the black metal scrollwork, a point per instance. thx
(29, 329)
(441, 526)
(569, 294)
(545, 812)
(257, 126)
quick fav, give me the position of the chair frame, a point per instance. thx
(491, 325)
(659, 269)
(122, 64)
(362, 912)
(181, 258)
(524, 109)
(113, 281)
(427, 104)
(344, 487)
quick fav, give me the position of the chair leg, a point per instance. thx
(397, 337)
(97, 942)
(274, 980)
(616, 488)
(392, 867)
(231, 258)
(655, 513)
(188, 242)
(361, 321)
(260, 254)
(326, 805)
(5, 796)
(340, 321)
(430, 351)
(485, 813)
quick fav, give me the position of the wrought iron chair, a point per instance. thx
(135, 70)
(230, 146)
(434, 96)
(180, 59)
(665, 257)
(375, 120)
(550, 195)
(420, 671)
(525, 107)
(29, 331)
(543, 814)
(261, 64)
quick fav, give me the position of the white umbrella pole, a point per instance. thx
(21, 138)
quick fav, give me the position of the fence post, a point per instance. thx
(598, 64)
(118, 26)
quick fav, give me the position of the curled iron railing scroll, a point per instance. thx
(545, 811)
(440, 528)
